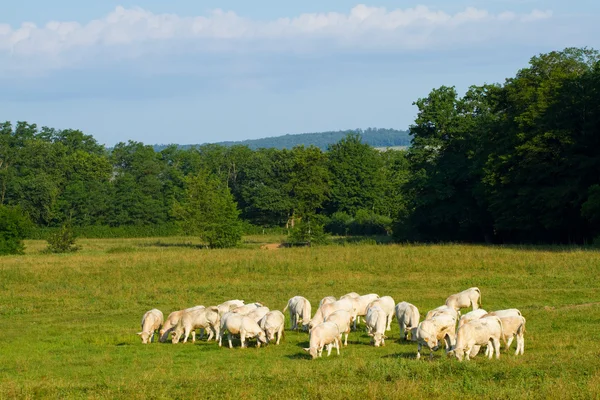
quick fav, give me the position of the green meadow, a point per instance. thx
(69, 322)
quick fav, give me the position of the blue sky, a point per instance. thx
(188, 71)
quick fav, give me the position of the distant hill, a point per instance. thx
(375, 137)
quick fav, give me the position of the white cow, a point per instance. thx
(431, 331)
(151, 322)
(343, 320)
(229, 305)
(272, 323)
(323, 334)
(478, 332)
(246, 309)
(376, 322)
(258, 313)
(471, 315)
(237, 324)
(442, 310)
(326, 309)
(351, 295)
(512, 326)
(360, 305)
(408, 318)
(205, 318)
(387, 304)
(300, 311)
(327, 300)
(172, 321)
(466, 298)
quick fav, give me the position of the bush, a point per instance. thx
(307, 232)
(339, 223)
(365, 222)
(62, 241)
(14, 226)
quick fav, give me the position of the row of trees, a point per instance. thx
(511, 162)
(517, 162)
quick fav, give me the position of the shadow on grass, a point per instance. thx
(353, 240)
(406, 356)
(299, 356)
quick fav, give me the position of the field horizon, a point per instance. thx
(70, 320)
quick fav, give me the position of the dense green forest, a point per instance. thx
(375, 137)
(507, 163)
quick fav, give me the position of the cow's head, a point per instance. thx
(176, 335)
(312, 351)
(145, 336)
(378, 339)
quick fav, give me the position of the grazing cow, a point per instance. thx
(326, 309)
(206, 318)
(478, 332)
(300, 310)
(475, 314)
(327, 300)
(376, 321)
(408, 318)
(360, 305)
(511, 312)
(172, 321)
(343, 320)
(229, 305)
(258, 313)
(246, 309)
(246, 327)
(323, 334)
(465, 299)
(151, 322)
(351, 295)
(512, 326)
(431, 331)
(387, 304)
(442, 310)
(272, 323)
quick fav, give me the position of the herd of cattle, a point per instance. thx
(462, 336)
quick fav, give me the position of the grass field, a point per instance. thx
(69, 321)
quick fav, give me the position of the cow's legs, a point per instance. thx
(509, 342)
(419, 351)
(229, 337)
(243, 338)
(337, 345)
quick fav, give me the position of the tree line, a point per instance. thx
(505, 163)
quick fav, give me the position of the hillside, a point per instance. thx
(375, 137)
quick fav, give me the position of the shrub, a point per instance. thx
(339, 223)
(14, 226)
(307, 232)
(62, 241)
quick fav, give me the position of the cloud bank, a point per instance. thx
(131, 33)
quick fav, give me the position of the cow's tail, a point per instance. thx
(478, 298)
(521, 330)
(286, 307)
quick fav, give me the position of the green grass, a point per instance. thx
(69, 321)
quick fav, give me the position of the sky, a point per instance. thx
(189, 71)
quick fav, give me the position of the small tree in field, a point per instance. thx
(14, 225)
(63, 241)
(209, 210)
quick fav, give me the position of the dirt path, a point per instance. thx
(271, 246)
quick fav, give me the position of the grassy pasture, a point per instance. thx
(69, 321)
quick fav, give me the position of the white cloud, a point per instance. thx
(131, 32)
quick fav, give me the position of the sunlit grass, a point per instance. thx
(69, 321)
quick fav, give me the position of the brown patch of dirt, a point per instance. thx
(271, 246)
(571, 306)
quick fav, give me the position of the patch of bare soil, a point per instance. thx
(271, 246)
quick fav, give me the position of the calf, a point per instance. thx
(246, 327)
(465, 299)
(323, 334)
(300, 310)
(512, 326)
(376, 321)
(151, 322)
(387, 304)
(478, 332)
(431, 331)
(343, 320)
(205, 318)
(272, 323)
(408, 318)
